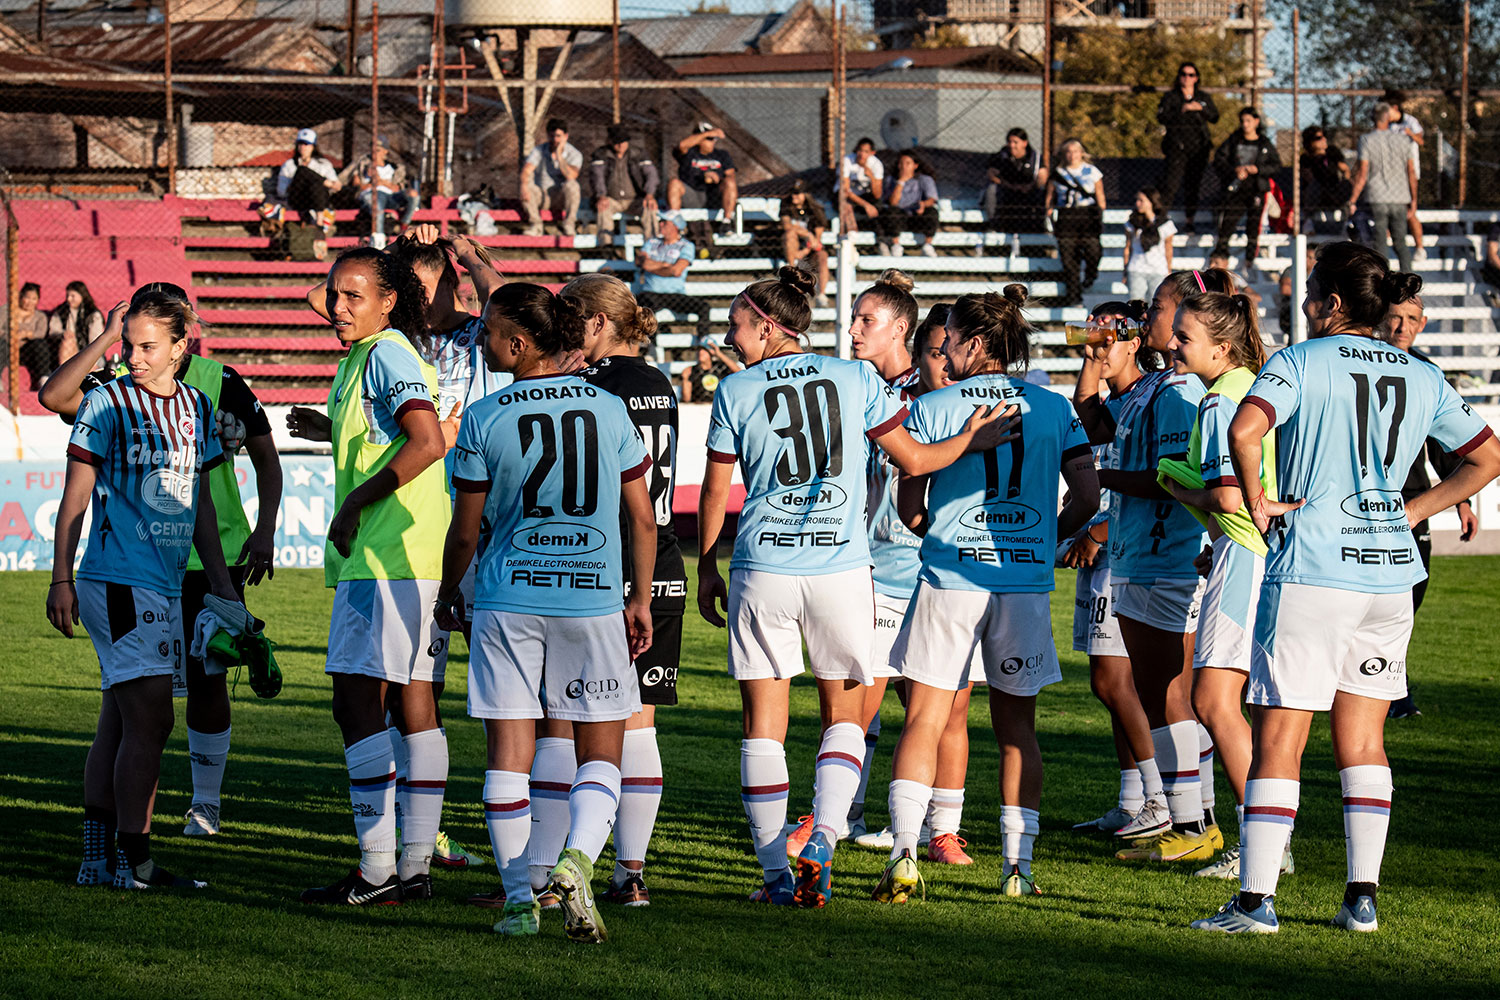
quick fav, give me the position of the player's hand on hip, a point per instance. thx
(1264, 510)
(712, 595)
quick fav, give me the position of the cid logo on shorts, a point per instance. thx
(592, 690)
(1379, 665)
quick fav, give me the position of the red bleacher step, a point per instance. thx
(287, 371)
(212, 342)
(262, 317)
(293, 397)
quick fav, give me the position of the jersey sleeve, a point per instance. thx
(236, 398)
(94, 427)
(1214, 464)
(470, 473)
(394, 377)
(723, 442)
(1455, 425)
(884, 409)
(1075, 443)
(918, 421)
(632, 456)
(1277, 390)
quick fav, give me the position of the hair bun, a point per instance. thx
(897, 279)
(800, 280)
(1400, 286)
(1015, 293)
(645, 321)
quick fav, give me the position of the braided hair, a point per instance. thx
(409, 314)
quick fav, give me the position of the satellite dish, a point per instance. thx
(898, 129)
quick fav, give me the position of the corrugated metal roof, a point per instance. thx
(983, 58)
(700, 34)
(194, 43)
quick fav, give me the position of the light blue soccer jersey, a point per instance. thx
(1158, 539)
(551, 453)
(149, 454)
(1352, 415)
(1105, 457)
(994, 514)
(393, 383)
(892, 544)
(800, 426)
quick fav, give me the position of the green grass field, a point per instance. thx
(1104, 928)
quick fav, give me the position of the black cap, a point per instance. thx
(799, 186)
(618, 133)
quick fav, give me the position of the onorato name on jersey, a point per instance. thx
(545, 392)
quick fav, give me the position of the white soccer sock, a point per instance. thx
(592, 805)
(1018, 830)
(552, 772)
(1132, 794)
(372, 796)
(1150, 775)
(640, 794)
(507, 813)
(427, 780)
(872, 738)
(398, 748)
(1239, 819)
(1177, 754)
(908, 805)
(946, 811)
(763, 790)
(1270, 811)
(1206, 769)
(837, 776)
(207, 752)
(1367, 816)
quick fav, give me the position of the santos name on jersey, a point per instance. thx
(551, 453)
(797, 424)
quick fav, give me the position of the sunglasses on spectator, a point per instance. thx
(1185, 73)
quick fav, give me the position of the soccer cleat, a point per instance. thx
(1215, 836)
(1016, 884)
(520, 919)
(1403, 708)
(631, 893)
(570, 883)
(96, 873)
(1151, 819)
(127, 878)
(796, 836)
(900, 878)
(1228, 865)
(948, 849)
(353, 890)
(814, 873)
(1359, 917)
(1232, 919)
(777, 893)
(854, 828)
(489, 900)
(202, 819)
(449, 853)
(885, 839)
(419, 886)
(1108, 823)
(1174, 845)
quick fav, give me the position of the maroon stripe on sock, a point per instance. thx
(1357, 801)
(1180, 774)
(764, 789)
(1270, 811)
(378, 780)
(641, 781)
(553, 786)
(856, 761)
(412, 783)
(505, 807)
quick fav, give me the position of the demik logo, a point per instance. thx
(1375, 505)
(167, 491)
(815, 495)
(1002, 517)
(557, 538)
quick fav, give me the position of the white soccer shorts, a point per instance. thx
(577, 669)
(770, 614)
(1226, 626)
(1096, 630)
(890, 612)
(385, 629)
(1312, 642)
(947, 629)
(136, 632)
(1171, 605)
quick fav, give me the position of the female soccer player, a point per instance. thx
(1216, 337)
(1096, 630)
(989, 535)
(1331, 629)
(1156, 588)
(543, 468)
(384, 562)
(798, 424)
(139, 448)
(239, 421)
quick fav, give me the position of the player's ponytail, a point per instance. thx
(1231, 319)
(599, 292)
(550, 321)
(785, 300)
(1363, 281)
(998, 320)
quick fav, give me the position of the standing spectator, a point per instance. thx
(802, 227)
(37, 353)
(661, 273)
(866, 184)
(1405, 123)
(550, 176)
(74, 323)
(1187, 112)
(1245, 163)
(705, 177)
(909, 206)
(701, 381)
(382, 184)
(1389, 182)
(624, 182)
(1013, 192)
(1148, 245)
(307, 180)
(1077, 192)
(1325, 184)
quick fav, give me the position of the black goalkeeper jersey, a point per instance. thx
(652, 403)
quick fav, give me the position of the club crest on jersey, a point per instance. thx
(167, 491)
(188, 425)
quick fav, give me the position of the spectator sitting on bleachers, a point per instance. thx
(1077, 191)
(705, 178)
(866, 184)
(549, 178)
(382, 183)
(75, 322)
(1014, 187)
(700, 381)
(910, 205)
(307, 180)
(661, 273)
(1325, 184)
(1245, 163)
(802, 226)
(624, 182)
(37, 353)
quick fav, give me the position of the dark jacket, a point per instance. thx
(1323, 186)
(1266, 162)
(1187, 131)
(644, 176)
